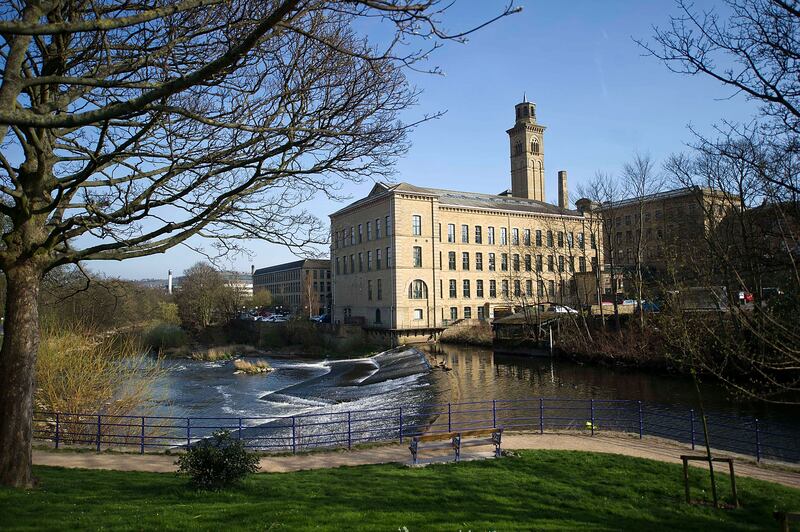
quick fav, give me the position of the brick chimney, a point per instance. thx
(563, 193)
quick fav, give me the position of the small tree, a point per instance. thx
(261, 298)
(310, 295)
(217, 462)
(203, 296)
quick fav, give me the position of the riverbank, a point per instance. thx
(562, 490)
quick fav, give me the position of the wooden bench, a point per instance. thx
(455, 441)
(785, 518)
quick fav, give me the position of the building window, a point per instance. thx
(377, 316)
(539, 237)
(549, 239)
(478, 235)
(369, 231)
(481, 313)
(503, 236)
(540, 288)
(352, 235)
(529, 288)
(571, 264)
(416, 225)
(561, 239)
(465, 261)
(451, 233)
(516, 262)
(528, 263)
(377, 228)
(337, 265)
(570, 239)
(451, 260)
(465, 234)
(417, 257)
(380, 290)
(492, 288)
(479, 288)
(369, 290)
(453, 292)
(490, 235)
(505, 288)
(378, 259)
(479, 261)
(369, 261)
(453, 313)
(491, 262)
(539, 263)
(388, 221)
(627, 219)
(550, 263)
(418, 290)
(352, 264)
(418, 314)
(360, 234)
(582, 264)
(517, 288)
(467, 313)
(581, 242)
(527, 237)
(388, 257)
(504, 262)
(551, 288)
(515, 236)
(466, 288)
(561, 263)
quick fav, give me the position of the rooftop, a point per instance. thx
(302, 263)
(476, 200)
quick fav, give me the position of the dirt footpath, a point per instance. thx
(649, 447)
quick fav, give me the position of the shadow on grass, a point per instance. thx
(537, 490)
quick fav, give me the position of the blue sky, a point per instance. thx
(601, 99)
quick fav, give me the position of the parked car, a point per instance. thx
(322, 318)
(557, 309)
(745, 297)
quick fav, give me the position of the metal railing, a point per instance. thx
(334, 428)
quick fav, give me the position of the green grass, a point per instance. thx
(536, 490)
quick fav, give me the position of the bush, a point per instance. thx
(218, 462)
(166, 336)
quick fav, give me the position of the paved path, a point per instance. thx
(649, 447)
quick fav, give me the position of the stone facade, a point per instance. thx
(416, 258)
(291, 284)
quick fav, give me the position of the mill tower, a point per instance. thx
(526, 140)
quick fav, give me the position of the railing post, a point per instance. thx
(141, 440)
(99, 430)
(691, 421)
(541, 415)
(758, 443)
(294, 439)
(494, 413)
(641, 421)
(57, 425)
(240, 429)
(349, 430)
(401, 424)
(591, 406)
(449, 419)
(188, 432)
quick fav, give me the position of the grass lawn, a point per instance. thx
(535, 490)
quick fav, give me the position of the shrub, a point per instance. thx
(166, 336)
(259, 366)
(217, 462)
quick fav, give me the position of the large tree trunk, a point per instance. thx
(17, 370)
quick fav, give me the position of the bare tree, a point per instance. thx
(310, 295)
(640, 179)
(130, 127)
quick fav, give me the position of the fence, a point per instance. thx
(346, 428)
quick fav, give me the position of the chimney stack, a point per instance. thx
(563, 193)
(169, 282)
(252, 269)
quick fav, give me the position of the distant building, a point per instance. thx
(668, 229)
(242, 282)
(293, 284)
(414, 259)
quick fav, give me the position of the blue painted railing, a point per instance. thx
(345, 428)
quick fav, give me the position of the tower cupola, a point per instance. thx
(526, 140)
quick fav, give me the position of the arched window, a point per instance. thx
(377, 315)
(535, 146)
(418, 290)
